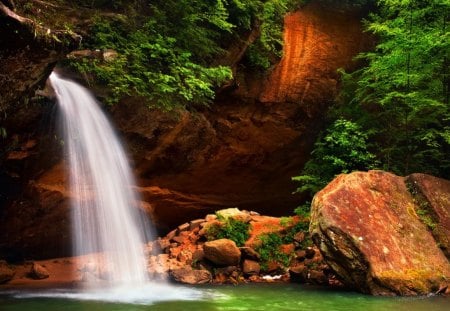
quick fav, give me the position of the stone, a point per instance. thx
(366, 227)
(39, 272)
(183, 227)
(433, 197)
(251, 267)
(6, 272)
(299, 237)
(222, 252)
(234, 213)
(300, 254)
(210, 217)
(171, 234)
(198, 255)
(163, 243)
(309, 253)
(194, 224)
(317, 277)
(190, 276)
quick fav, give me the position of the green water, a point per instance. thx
(241, 298)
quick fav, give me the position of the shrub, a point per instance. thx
(235, 230)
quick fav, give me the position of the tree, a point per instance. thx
(406, 85)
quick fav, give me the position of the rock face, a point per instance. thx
(368, 230)
(433, 199)
(244, 151)
(241, 152)
(222, 252)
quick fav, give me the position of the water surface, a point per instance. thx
(229, 298)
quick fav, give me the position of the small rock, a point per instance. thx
(39, 272)
(317, 277)
(300, 254)
(6, 272)
(299, 237)
(163, 243)
(171, 234)
(189, 276)
(222, 252)
(183, 227)
(210, 217)
(195, 223)
(250, 267)
(178, 239)
(309, 253)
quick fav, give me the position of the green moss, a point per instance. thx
(270, 250)
(235, 230)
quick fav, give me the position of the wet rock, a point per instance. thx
(222, 252)
(432, 196)
(39, 272)
(190, 276)
(299, 237)
(6, 272)
(367, 229)
(250, 267)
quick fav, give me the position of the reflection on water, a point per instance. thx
(220, 298)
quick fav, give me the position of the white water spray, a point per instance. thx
(105, 214)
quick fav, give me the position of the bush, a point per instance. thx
(235, 230)
(269, 250)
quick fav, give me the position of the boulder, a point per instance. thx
(6, 272)
(189, 276)
(367, 228)
(250, 267)
(432, 196)
(39, 272)
(222, 252)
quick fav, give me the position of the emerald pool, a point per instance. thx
(270, 297)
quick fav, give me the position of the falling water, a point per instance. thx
(105, 216)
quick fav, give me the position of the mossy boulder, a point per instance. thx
(368, 230)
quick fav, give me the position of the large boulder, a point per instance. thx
(222, 252)
(432, 196)
(369, 232)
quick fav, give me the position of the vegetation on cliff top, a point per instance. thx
(168, 50)
(394, 113)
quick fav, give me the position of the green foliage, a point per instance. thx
(399, 101)
(168, 52)
(342, 149)
(269, 250)
(235, 230)
(304, 210)
(405, 87)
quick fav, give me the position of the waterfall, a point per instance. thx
(106, 224)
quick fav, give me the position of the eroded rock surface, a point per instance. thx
(432, 196)
(368, 231)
